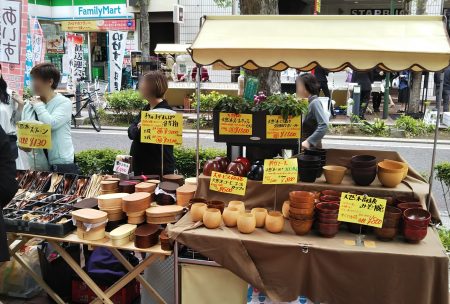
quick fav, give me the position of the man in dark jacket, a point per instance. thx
(365, 80)
(8, 187)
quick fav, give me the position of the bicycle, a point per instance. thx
(91, 106)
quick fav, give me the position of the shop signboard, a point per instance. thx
(10, 35)
(235, 124)
(121, 167)
(34, 135)
(362, 209)
(378, 11)
(279, 128)
(280, 171)
(161, 128)
(103, 11)
(98, 25)
(116, 48)
(227, 183)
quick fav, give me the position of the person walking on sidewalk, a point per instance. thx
(364, 80)
(321, 75)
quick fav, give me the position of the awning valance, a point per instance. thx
(163, 49)
(362, 42)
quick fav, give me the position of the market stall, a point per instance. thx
(284, 265)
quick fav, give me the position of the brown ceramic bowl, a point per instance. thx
(363, 161)
(330, 198)
(414, 234)
(417, 217)
(404, 206)
(328, 230)
(302, 217)
(301, 197)
(301, 227)
(217, 205)
(331, 192)
(385, 234)
(302, 205)
(328, 208)
(301, 211)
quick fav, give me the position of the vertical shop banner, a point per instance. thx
(28, 62)
(77, 61)
(116, 47)
(37, 38)
(10, 35)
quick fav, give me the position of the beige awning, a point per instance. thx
(177, 49)
(362, 42)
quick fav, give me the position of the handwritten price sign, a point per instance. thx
(235, 124)
(360, 209)
(161, 128)
(227, 183)
(34, 135)
(279, 128)
(280, 171)
(121, 167)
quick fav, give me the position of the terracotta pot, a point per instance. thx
(210, 166)
(260, 216)
(236, 169)
(245, 162)
(212, 218)
(223, 162)
(274, 222)
(390, 180)
(246, 223)
(197, 211)
(230, 216)
(285, 209)
(334, 174)
(237, 204)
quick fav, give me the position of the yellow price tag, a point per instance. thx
(34, 135)
(279, 128)
(280, 171)
(227, 183)
(361, 209)
(161, 128)
(235, 124)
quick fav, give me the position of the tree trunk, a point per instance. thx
(414, 99)
(269, 81)
(145, 30)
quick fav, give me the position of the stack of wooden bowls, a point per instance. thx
(134, 205)
(164, 214)
(185, 193)
(90, 223)
(112, 204)
(301, 211)
(109, 186)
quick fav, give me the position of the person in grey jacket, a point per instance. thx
(315, 123)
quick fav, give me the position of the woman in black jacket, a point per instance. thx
(147, 157)
(8, 187)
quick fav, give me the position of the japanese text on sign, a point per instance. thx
(121, 167)
(279, 128)
(361, 209)
(117, 44)
(34, 135)
(235, 124)
(161, 128)
(227, 183)
(10, 23)
(280, 171)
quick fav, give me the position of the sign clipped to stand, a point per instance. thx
(235, 124)
(34, 135)
(280, 171)
(161, 128)
(279, 128)
(121, 167)
(362, 209)
(227, 183)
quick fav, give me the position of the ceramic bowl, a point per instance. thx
(302, 197)
(260, 216)
(217, 205)
(212, 218)
(197, 211)
(328, 230)
(414, 234)
(334, 174)
(329, 208)
(237, 204)
(363, 161)
(391, 167)
(210, 166)
(230, 216)
(298, 211)
(385, 234)
(285, 208)
(274, 222)
(301, 227)
(404, 206)
(417, 217)
(246, 223)
(390, 180)
(363, 176)
(404, 166)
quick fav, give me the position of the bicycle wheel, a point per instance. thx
(95, 119)
(74, 121)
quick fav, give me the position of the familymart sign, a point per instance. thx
(100, 11)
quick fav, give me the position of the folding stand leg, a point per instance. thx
(128, 277)
(80, 272)
(140, 278)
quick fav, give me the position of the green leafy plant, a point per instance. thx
(232, 104)
(377, 128)
(413, 127)
(444, 236)
(185, 159)
(443, 173)
(207, 103)
(125, 102)
(97, 161)
(27, 93)
(283, 104)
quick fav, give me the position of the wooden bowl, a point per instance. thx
(237, 204)
(334, 174)
(260, 216)
(246, 223)
(212, 218)
(230, 216)
(301, 227)
(197, 211)
(274, 222)
(391, 167)
(390, 179)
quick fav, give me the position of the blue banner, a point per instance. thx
(28, 62)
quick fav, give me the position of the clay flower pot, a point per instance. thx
(212, 218)
(246, 223)
(274, 222)
(260, 216)
(334, 174)
(210, 166)
(238, 205)
(230, 216)
(236, 169)
(197, 211)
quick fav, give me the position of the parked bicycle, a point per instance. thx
(88, 101)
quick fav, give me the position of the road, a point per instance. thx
(418, 155)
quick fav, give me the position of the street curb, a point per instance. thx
(331, 137)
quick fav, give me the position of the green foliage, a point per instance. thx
(283, 104)
(377, 128)
(223, 3)
(125, 102)
(97, 161)
(443, 173)
(413, 127)
(207, 103)
(185, 159)
(27, 93)
(444, 235)
(232, 104)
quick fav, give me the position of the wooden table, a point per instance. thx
(17, 240)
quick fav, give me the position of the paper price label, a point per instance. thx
(280, 171)
(161, 128)
(361, 209)
(227, 183)
(121, 167)
(279, 128)
(34, 135)
(235, 124)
